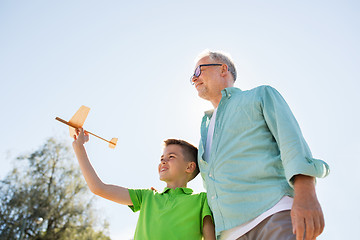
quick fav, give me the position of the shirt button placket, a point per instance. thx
(213, 196)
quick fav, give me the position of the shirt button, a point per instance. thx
(213, 197)
(210, 175)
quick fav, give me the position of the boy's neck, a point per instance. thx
(176, 185)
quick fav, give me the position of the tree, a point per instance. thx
(45, 197)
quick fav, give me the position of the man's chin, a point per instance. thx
(202, 95)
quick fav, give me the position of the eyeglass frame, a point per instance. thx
(199, 67)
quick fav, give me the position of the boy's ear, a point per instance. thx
(191, 167)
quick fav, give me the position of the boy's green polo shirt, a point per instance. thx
(172, 214)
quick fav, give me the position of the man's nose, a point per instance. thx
(193, 79)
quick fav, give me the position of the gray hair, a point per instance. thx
(221, 57)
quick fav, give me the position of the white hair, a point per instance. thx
(221, 57)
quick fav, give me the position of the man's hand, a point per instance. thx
(306, 214)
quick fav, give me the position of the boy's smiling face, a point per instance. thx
(173, 166)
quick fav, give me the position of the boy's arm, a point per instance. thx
(111, 192)
(208, 228)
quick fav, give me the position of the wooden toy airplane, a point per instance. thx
(77, 121)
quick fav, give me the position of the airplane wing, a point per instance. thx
(78, 119)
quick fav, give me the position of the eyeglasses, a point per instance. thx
(197, 71)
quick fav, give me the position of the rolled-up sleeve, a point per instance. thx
(294, 151)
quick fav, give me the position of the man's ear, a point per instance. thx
(224, 70)
(191, 167)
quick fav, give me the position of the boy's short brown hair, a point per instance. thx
(190, 152)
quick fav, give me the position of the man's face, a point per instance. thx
(210, 82)
(172, 165)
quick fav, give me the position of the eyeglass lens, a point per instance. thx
(197, 71)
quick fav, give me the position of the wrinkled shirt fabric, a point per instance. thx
(257, 148)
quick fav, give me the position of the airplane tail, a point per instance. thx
(113, 142)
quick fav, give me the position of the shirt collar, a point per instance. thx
(226, 93)
(179, 190)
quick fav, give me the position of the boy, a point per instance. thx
(175, 213)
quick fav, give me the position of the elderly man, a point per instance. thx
(257, 168)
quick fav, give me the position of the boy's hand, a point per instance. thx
(81, 137)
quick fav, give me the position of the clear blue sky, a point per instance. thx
(130, 61)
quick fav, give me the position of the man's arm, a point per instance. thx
(299, 165)
(208, 228)
(295, 152)
(306, 214)
(111, 192)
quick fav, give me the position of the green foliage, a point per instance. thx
(45, 197)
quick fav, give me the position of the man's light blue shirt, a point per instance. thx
(257, 148)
